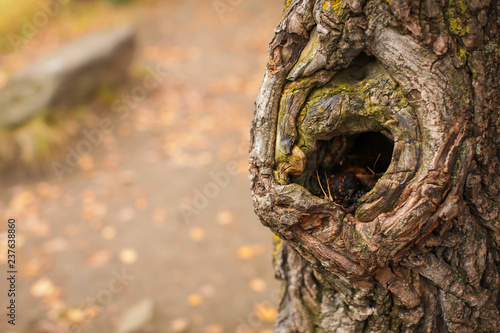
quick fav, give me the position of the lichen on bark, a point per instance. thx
(417, 251)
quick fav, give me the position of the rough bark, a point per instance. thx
(414, 247)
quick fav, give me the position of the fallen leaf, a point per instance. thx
(108, 233)
(198, 319)
(197, 234)
(36, 265)
(99, 258)
(136, 317)
(22, 200)
(213, 329)
(75, 315)
(55, 245)
(42, 287)
(204, 159)
(179, 325)
(112, 162)
(46, 191)
(21, 239)
(126, 177)
(152, 157)
(37, 227)
(141, 203)
(126, 214)
(56, 308)
(87, 196)
(258, 285)
(72, 231)
(4, 247)
(265, 312)
(125, 130)
(128, 256)
(225, 217)
(95, 210)
(195, 300)
(207, 290)
(110, 142)
(246, 252)
(91, 311)
(4, 78)
(243, 166)
(159, 216)
(86, 163)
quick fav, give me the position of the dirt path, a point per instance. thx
(163, 202)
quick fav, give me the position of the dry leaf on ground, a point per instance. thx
(265, 312)
(197, 234)
(42, 287)
(128, 256)
(99, 258)
(258, 285)
(179, 325)
(195, 300)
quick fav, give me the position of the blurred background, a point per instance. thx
(124, 129)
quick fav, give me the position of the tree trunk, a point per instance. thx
(375, 160)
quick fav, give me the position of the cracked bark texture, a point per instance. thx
(420, 251)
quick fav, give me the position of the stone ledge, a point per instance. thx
(68, 76)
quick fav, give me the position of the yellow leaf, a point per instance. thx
(213, 329)
(179, 325)
(126, 177)
(99, 258)
(112, 162)
(86, 163)
(42, 287)
(108, 233)
(34, 266)
(126, 214)
(75, 315)
(4, 247)
(141, 203)
(159, 216)
(45, 190)
(197, 234)
(258, 285)
(225, 217)
(195, 300)
(246, 252)
(72, 231)
(91, 311)
(125, 130)
(94, 210)
(198, 319)
(204, 158)
(265, 312)
(110, 142)
(87, 196)
(22, 200)
(128, 256)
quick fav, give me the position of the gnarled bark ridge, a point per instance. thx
(375, 158)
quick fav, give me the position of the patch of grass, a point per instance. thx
(13, 12)
(14, 15)
(67, 20)
(33, 145)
